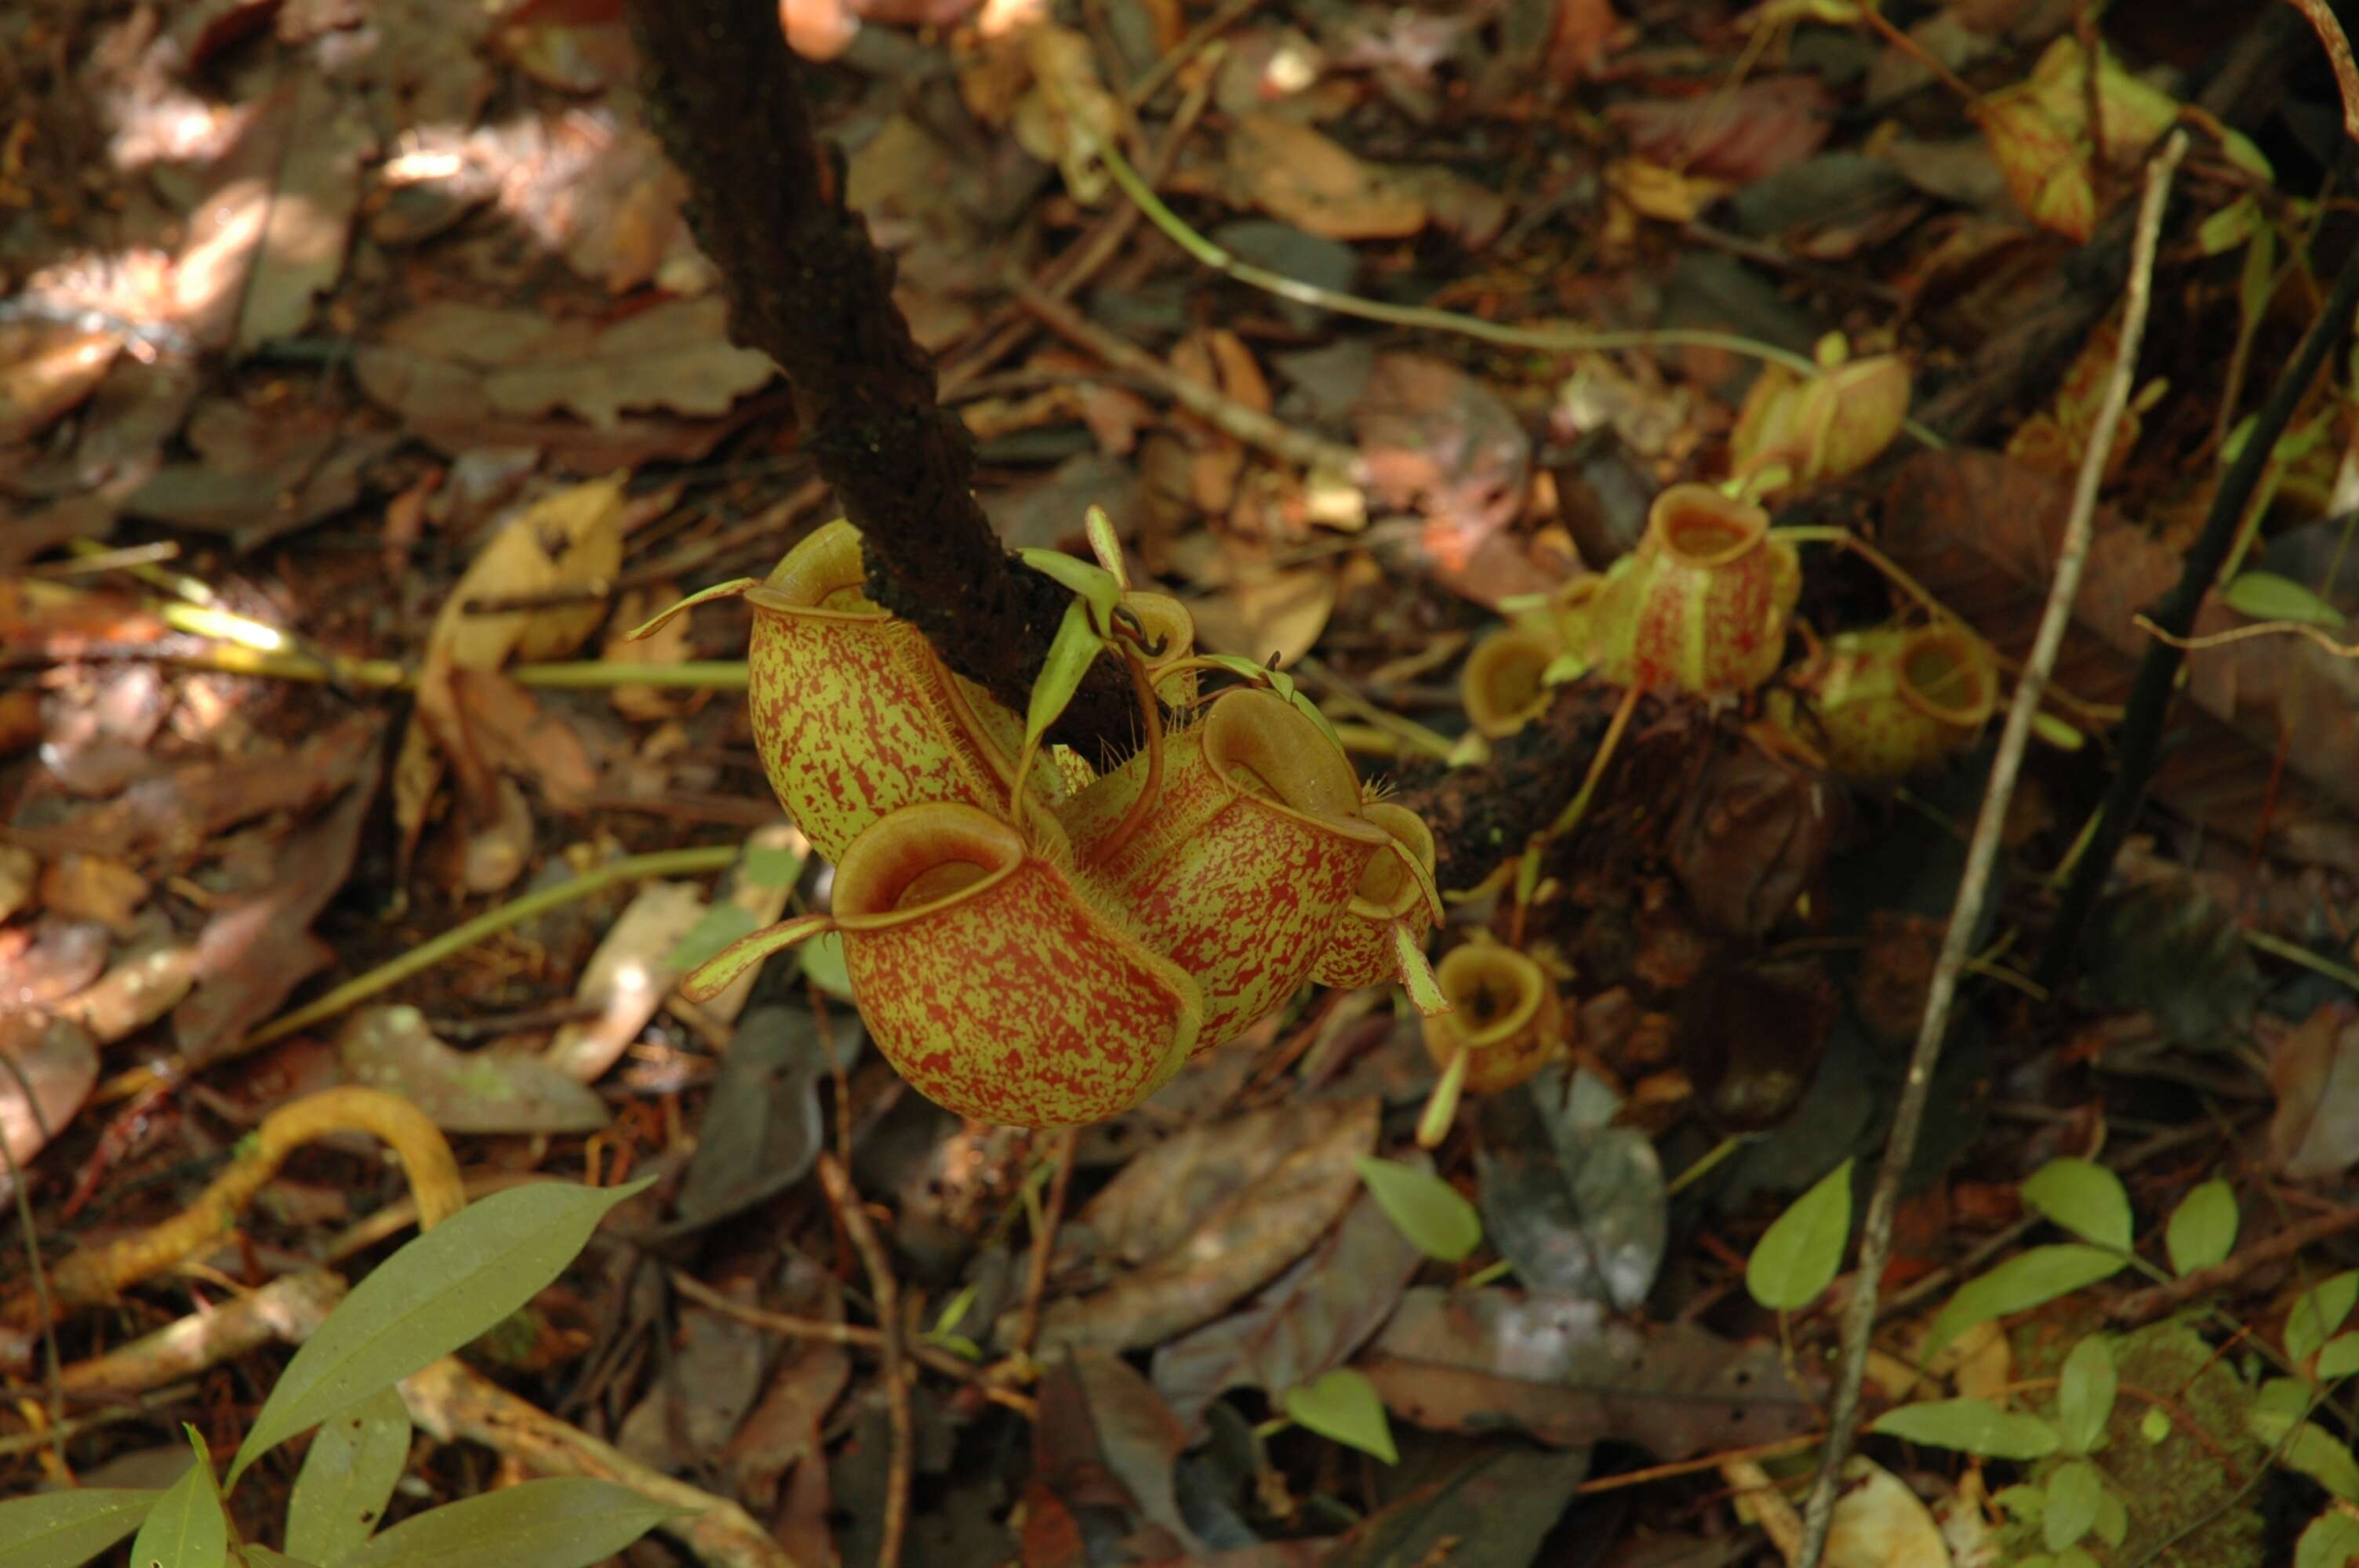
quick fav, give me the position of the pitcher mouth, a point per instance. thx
(1941, 661)
(1505, 680)
(1259, 746)
(920, 859)
(825, 576)
(1701, 528)
(1386, 889)
(1495, 990)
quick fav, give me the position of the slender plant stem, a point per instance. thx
(1561, 339)
(1982, 855)
(887, 1291)
(2158, 677)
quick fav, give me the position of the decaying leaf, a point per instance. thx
(446, 362)
(464, 1091)
(1103, 1440)
(1233, 1250)
(1305, 1321)
(1568, 1371)
(58, 1060)
(1575, 1203)
(2315, 1131)
(1293, 172)
(627, 978)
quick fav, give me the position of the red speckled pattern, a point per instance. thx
(1239, 892)
(1020, 1004)
(854, 717)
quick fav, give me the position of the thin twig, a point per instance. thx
(1204, 32)
(887, 1295)
(2141, 731)
(1036, 1279)
(1202, 399)
(2338, 54)
(2152, 1303)
(1981, 855)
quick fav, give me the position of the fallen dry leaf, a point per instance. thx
(448, 361)
(1567, 1372)
(2315, 1131)
(1235, 1249)
(1291, 171)
(301, 243)
(1738, 135)
(57, 1060)
(627, 978)
(1103, 1439)
(391, 1048)
(46, 369)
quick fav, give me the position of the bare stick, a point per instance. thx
(2338, 53)
(882, 1286)
(1035, 1283)
(1981, 855)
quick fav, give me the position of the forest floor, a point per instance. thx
(362, 385)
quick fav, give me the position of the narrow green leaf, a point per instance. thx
(2113, 1516)
(2056, 732)
(729, 590)
(2027, 1280)
(1797, 1257)
(348, 1478)
(748, 953)
(565, 1521)
(2318, 1312)
(434, 1295)
(1973, 1427)
(2338, 1358)
(1346, 1406)
(716, 928)
(2084, 1397)
(2202, 1228)
(2228, 228)
(1238, 664)
(186, 1528)
(2155, 1425)
(1106, 545)
(2084, 1198)
(1417, 975)
(1427, 1210)
(1094, 586)
(2074, 1495)
(2318, 1455)
(1076, 647)
(2265, 596)
(2330, 1542)
(65, 1529)
(1310, 711)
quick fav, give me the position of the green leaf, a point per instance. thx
(1344, 1405)
(2315, 1452)
(2318, 1312)
(2330, 1542)
(1425, 992)
(2023, 1504)
(186, 1528)
(2074, 1495)
(1106, 545)
(2229, 227)
(1974, 1426)
(1094, 586)
(565, 1521)
(65, 1529)
(767, 866)
(2075, 1557)
(348, 1478)
(2084, 1198)
(823, 966)
(2085, 1395)
(1797, 1257)
(1427, 1210)
(1310, 711)
(2113, 1516)
(264, 1557)
(750, 951)
(438, 1293)
(716, 928)
(2338, 1358)
(2265, 596)
(2202, 1228)
(2155, 1425)
(2027, 1280)
(1076, 648)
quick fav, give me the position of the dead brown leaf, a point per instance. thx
(2314, 1132)
(1293, 172)
(301, 243)
(1237, 1247)
(447, 360)
(464, 1091)
(1567, 1372)
(57, 1060)
(1739, 135)
(627, 978)
(45, 369)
